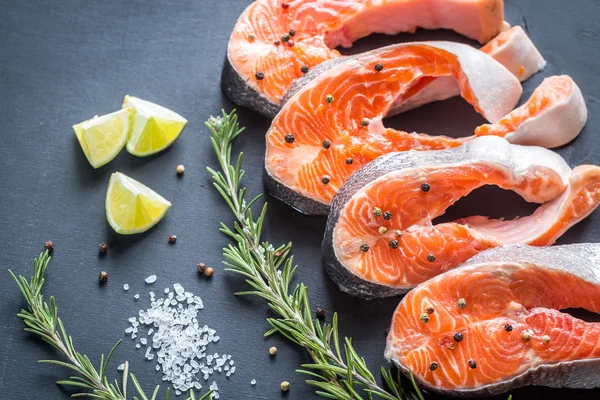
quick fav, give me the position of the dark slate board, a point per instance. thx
(63, 61)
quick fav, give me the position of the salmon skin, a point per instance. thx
(379, 240)
(554, 115)
(276, 41)
(494, 324)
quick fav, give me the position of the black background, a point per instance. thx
(63, 61)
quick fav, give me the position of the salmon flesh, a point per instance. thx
(380, 241)
(495, 323)
(275, 42)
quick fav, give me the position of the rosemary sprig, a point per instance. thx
(336, 374)
(42, 319)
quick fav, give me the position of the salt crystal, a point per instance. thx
(253, 382)
(132, 319)
(129, 330)
(213, 386)
(133, 336)
(136, 296)
(151, 279)
(125, 287)
(137, 346)
(178, 342)
(121, 367)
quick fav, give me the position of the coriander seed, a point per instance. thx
(273, 350)
(180, 169)
(461, 303)
(103, 277)
(285, 386)
(209, 272)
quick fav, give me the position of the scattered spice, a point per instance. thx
(292, 32)
(379, 67)
(398, 233)
(329, 98)
(172, 239)
(285, 6)
(393, 244)
(289, 138)
(430, 310)
(102, 248)
(472, 364)
(49, 245)
(320, 313)
(458, 337)
(526, 336)
(273, 350)
(291, 43)
(180, 169)
(508, 328)
(424, 318)
(326, 144)
(364, 248)
(377, 211)
(546, 339)
(251, 37)
(433, 366)
(304, 69)
(461, 303)
(103, 277)
(364, 122)
(279, 253)
(425, 187)
(285, 386)
(277, 42)
(430, 258)
(201, 268)
(382, 230)
(285, 37)
(209, 272)
(325, 179)
(387, 215)
(349, 161)
(259, 75)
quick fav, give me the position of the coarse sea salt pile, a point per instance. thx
(177, 342)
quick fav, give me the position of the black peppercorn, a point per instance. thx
(433, 366)
(102, 248)
(304, 69)
(379, 67)
(289, 138)
(425, 187)
(260, 75)
(320, 313)
(431, 258)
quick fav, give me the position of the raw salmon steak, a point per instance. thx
(380, 241)
(495, 323)
(277, 41)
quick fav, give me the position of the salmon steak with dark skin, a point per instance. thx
(380, 240)
(332, 125)
(275, 42)
(494, 324)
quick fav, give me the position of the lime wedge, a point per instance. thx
(153, 128)
(132, 207)
(102, 138)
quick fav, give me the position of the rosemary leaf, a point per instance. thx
(270, 270)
